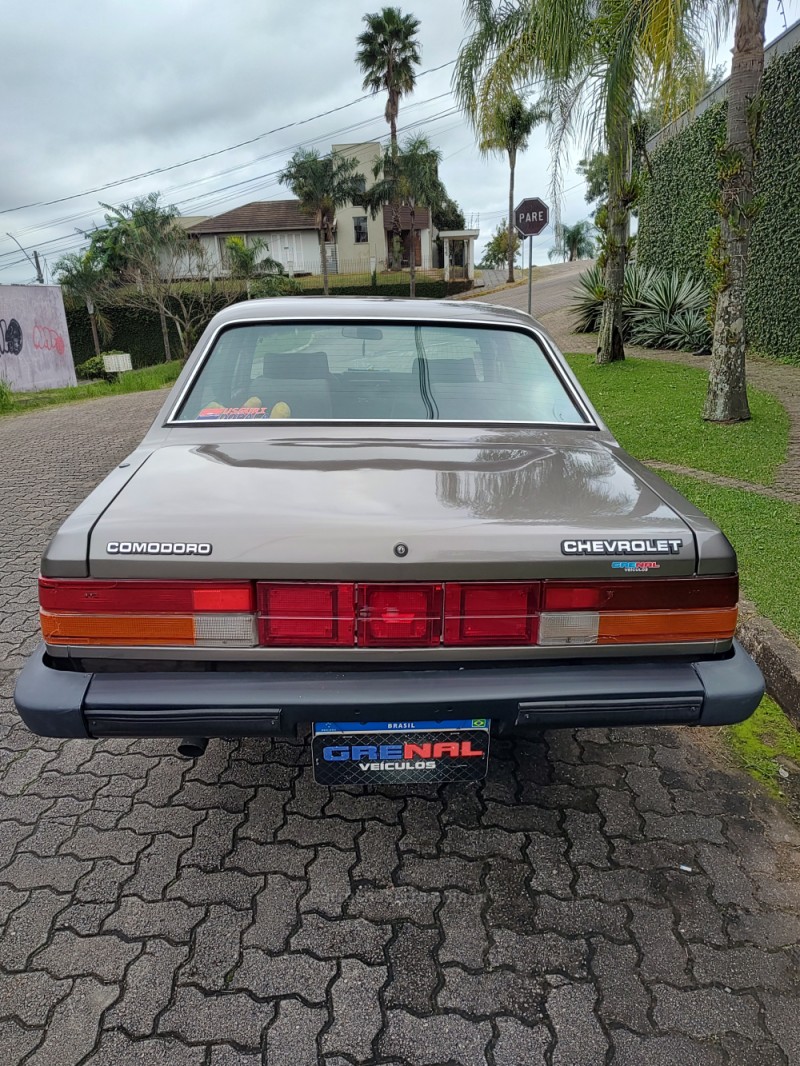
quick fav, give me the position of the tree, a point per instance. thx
(595, 60)
(410, 178)
(504, 126)
(726, 400)
(594, 170)
(387, 54)
(247, 261)
(83, 278)
(496, 252)
(323, 184)
(573, 242)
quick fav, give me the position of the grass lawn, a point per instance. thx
(151, 377)
(766, 536)
(653, 409)
(764, 743)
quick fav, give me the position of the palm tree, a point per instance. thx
(83, 278)
(388, 52)
(573, 242)
(247, 262)
(323, 184)
(726, 400)
(504, 127)
(411, 178)
(594, 59)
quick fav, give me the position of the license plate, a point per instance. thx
(361, 753)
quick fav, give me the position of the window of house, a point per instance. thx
(360, 229)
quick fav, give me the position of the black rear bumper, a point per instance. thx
(65, 703)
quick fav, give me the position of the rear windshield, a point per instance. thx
(389, 372)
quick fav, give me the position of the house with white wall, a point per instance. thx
(290, 235)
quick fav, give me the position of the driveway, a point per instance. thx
(606, 896)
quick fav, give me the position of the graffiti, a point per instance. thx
(47, 340)
(10, 337)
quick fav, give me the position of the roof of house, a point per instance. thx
(261, 216)
(190, 221)
(422, 219)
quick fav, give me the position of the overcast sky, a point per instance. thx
(102, 90)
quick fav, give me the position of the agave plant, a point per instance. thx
(588, 303)
(689, 331)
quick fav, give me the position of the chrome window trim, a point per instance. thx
(543, 342)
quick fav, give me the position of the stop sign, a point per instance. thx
(531, 216)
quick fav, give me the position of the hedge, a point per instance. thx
(676, 211)
(139, 332)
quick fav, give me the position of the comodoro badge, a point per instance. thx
(153, 547)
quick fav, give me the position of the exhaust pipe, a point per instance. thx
(192, 747)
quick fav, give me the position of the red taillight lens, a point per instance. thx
(658, 594)
(312, 615)
(144, 597)
(395, 616)
(491, 614)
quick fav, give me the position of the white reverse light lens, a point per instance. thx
(568, 627)
(225, 630)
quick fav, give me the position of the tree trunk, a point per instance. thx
(95, 337)
(412, 257)
(165, 335)
(512, 163)
(610, 346)
(726, 400)
(323, 260)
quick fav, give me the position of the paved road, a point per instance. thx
(606, 897)
(550, 291)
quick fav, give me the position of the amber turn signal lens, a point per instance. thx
(116, 630)
(646, 627)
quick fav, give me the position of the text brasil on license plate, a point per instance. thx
(360, 753)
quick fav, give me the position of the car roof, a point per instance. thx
(374, 308)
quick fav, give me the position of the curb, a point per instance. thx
(777, 657)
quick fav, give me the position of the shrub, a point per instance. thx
(6, 396)
(660, 309)
(273, 285)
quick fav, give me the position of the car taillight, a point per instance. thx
(147, 613)
(396, 616)
(491, 614)
(306, 615)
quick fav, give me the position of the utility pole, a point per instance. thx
(35, 265)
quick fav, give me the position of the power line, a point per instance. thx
(205, 155)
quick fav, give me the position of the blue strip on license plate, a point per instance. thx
(400, 727)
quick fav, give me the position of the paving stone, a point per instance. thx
(664, 958)
(431, 1041)
(85, 919)
(580, 917)
(289, 859)
(755, 1052)
(579, 1037)
(744, 967)
(196, 886)
(729, 884)
(201, 797)
(464, 933)
(157, 866)
(225, 1055)
(355, 1010)
(329, 882)
(288, 974)
(511, 905)
(102, 884)
(308, 832)
(462, 806)
(266, 813)
(224, 1017)
(537, 954)
(147, 988)
(355, 807)
(213, 840)
(450, 871)
(520, 1045)
(75, 1024)
(616, 886)
(47, 839)
(781, 1014)
(292, 1038)
(550, 871)
(672, 1049)
(412, 965)
(140, 919)
(422, 830)
(705, 1012)
(620, 817)
(89, 843)
(482, 843)
(344, 937)
(29, 926)
(587, 843)
(524, 818)
(17, 1041)
(699, 919)
(275, 914)
(378, 858)
(623, 997)
(492, 992)
(117, 1049)
(30, 997)
(684, 828)
(216, 948)
(59, 872)
(68, 955)
(393, 904)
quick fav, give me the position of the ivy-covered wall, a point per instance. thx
(676, 212)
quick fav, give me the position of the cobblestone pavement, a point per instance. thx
(605, 897)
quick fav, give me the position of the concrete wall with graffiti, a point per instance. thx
(34, 344)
